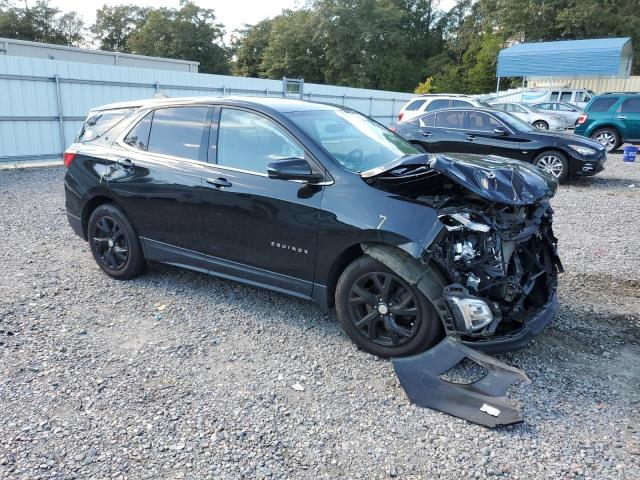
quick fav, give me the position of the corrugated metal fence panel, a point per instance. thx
(30, 118)
(598, 85)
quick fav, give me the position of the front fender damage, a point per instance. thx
(483, 401)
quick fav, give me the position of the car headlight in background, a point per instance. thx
(583, 150)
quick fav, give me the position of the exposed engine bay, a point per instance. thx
(497, 251)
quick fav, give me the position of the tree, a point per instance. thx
(188, 33)
(114, 25)
(40, 23)
(248, 48)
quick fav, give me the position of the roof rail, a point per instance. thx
(621, 93)
(443, 95)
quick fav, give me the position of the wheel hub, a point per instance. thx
(110, 243)
(383, 309)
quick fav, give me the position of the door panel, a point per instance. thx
(249, 218)
(480, 137)
(161, 194)
(629, 115)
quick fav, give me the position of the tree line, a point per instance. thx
(403, 45)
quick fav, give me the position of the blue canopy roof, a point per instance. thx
(569, 58)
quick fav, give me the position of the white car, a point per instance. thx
(541, 119)
(567, 110)
(436, 101)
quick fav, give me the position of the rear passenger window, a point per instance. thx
(428, 120)
(415, 105)
(178, 131)
(631, 105)
(437, 104)
(449, 119)
(139, 136)
(603, 104)
(249, 142)
(565, 96)
(554, 96)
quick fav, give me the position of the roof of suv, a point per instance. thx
(282, 105)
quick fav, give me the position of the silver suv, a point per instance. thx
(436, 101)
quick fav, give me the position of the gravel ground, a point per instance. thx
(181, 375)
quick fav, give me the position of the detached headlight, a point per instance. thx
(474, 313)
(583, 150)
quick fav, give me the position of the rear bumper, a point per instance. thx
(76, 225)
(522, 337)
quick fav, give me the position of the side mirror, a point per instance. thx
(293, 169)
(503, 132)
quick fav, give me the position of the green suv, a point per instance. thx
(611, 119)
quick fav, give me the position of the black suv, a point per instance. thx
(320, 202)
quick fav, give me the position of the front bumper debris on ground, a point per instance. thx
(482, 401)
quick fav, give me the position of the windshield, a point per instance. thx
(353, 140)
(514, 121)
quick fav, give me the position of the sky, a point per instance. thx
(232, 13)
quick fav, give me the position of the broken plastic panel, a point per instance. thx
(483, 401)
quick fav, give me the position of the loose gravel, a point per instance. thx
(180, 375)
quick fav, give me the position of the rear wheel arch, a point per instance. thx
(90, 206)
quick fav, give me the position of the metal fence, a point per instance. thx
(44, 102)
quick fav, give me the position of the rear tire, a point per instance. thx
(553, 162)
(608, 137)
(114, 244)
(541, 125)
(394, 322)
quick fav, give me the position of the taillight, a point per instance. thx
(582, 118)
(400, 115)
(69, 157)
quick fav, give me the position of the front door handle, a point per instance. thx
(219, 182)
(426, 134)
(622, 117)
(471, 138)
(125, 162)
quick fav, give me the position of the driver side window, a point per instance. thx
(249, 142)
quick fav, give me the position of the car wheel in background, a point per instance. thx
(541, 125)
(607, 137)
(554, 163)
(383, 314)
(114, 245)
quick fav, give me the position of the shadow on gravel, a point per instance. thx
(603, 182)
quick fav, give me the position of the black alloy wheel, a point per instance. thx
(384, 309)
(114, 244)
(382, 313)
(110, 243)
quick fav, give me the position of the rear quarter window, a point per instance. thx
(99, 123)
(602, 104)
(415, 105)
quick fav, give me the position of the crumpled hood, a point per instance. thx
(494, 178)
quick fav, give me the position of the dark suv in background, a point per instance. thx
(611, 119)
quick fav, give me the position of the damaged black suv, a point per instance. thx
(323, 203)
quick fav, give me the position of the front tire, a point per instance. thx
(114, 244)
(608, 137)
(554, 163)
(541, 125)
(382, 313)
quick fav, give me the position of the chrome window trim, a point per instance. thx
(510, 130)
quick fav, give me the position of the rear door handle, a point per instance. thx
(426, 134)
(219, 182)
(622, 117)
(125, 162)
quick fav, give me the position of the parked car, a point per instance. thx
(493, 132)
(322, 203)
(611, 119)
(570, 112)
(534, 116)
(575, 96)
(435, 101)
